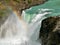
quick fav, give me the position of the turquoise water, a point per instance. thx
(52, 5)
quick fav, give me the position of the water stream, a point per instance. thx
(25, 31)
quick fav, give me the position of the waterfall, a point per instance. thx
(16, 31)
(25, 31)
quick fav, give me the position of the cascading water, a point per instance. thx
(17, 31)
(13, 31)
(25, 31)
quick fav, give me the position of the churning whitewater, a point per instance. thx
(16, 31)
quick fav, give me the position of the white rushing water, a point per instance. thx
(13, 31)
(17, 31)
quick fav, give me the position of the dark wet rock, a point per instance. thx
(49, 33)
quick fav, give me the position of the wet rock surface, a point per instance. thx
(50, 31)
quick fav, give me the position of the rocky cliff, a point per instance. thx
(50, 31)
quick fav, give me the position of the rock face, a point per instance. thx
(20, 5)
(50, 31)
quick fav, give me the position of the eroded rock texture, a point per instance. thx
(50, 31)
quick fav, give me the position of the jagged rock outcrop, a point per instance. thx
(50, 31)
